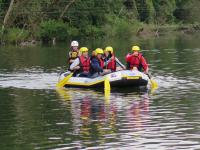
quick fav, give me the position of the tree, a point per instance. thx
(7, 16)
(189, 11)
(164, 10)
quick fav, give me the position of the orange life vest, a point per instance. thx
(135, 61)
(112, 64)
(85, 64)
(101, 62)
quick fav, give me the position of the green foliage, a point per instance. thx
(93, 31)
(120, 27)
(53, 29)
(164, 11)
(87, 12)
(73, 32)
(150, 11)
(192, 7)
(15, 35)
(123, 28)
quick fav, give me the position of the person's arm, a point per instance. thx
(107, 61)
(119, 63)
(95, 65)
(128, 65)
(69, 54)
(144, 65)
(70, 60)
(75, 64)
(128, 56)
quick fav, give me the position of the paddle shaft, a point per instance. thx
(117, 61)
(148, 76)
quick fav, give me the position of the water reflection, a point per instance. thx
(34, 116)
(138, 111)
(130, 120)
(97, 119)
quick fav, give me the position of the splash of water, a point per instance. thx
(31, 80)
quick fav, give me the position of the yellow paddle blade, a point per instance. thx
(106, 84)
(154, 84)
(107, 90)
(107, 97)
(64, 94)
(63, 81)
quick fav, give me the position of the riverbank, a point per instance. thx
(156, 31)
(22, 37)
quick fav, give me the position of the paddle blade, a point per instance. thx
(154, 84)
(107, 97)
(107, 90)
(106, 84)
(64, 81)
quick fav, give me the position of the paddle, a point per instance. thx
(154, 84)
(107, 89)
(106, 84)
(117, 61)
(63, 81)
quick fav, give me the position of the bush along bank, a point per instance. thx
(51, 32)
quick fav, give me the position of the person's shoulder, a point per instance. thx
(128, 57)
(142, 57)
(141, 54)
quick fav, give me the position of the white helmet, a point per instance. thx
(74, 43)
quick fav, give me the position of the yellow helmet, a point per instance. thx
(109, 49)
(99, 51)
(83, 49)
(135, 48)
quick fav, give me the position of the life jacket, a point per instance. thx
(101, 62)
(84, 64)
(135, 61)
(111, 64)
(72, 56)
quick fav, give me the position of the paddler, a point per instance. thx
(112, 63)
(136, 60)
(81, 65)
(97, 64)
(74, 52)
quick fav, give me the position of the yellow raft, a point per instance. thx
(124, 78)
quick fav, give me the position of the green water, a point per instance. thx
(34, 115)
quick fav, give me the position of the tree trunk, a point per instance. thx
(6, 18)
(66, 8)
(151, 11)
(136, 13)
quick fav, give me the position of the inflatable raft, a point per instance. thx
(124, 78)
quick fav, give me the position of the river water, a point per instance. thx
(34, 115)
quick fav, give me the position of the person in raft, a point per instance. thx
(81, 65)
(136, 60)
(74, 52)
(111, 62)
(97, 64)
